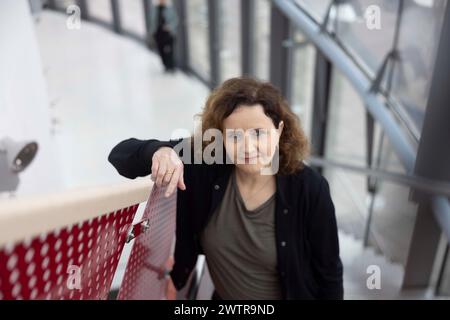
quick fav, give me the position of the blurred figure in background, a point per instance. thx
(164, 21)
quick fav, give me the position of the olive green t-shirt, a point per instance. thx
(240, 248)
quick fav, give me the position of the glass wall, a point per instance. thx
(198, 37)
(368, 30)
(262, 39)
(369, 45)
(132, 17)
(418, 40)
(230, 47)
(346, 123)
(316, 8)
(101, 10)
(303, 63)
(393, 214)
(346, 143)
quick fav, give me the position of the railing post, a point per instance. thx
(433, 159)
(84, 9)
(321, 101)
(116, 16)
(146, 4)
(214, 42)
(182, 36)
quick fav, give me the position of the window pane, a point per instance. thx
(132, 16)
(346, 143)
(230, 53)
(418, 41)
(316, 8)
(346, 123)
(100, 9)
(303, 82)
(369, 45)
(262, 39)
(197, 16)
(393, 215)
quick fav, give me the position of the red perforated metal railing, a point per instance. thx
(151, 250)
(79, 261)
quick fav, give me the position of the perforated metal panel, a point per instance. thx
(151, 251)
(77, 262)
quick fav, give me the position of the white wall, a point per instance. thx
(24, 105)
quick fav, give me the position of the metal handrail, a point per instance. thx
(25, 217)
(426, 185)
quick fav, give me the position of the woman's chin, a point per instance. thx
(253, 168)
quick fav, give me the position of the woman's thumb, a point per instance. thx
(181, 184)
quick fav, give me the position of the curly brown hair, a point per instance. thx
(244, 91)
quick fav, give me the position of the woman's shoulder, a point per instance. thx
(309, 175)
(309, 182)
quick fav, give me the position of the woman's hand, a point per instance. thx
(167, 170)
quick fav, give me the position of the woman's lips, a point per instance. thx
(247, 159)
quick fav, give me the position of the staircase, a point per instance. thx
(356, 259)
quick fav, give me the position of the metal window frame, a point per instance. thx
(321, 104)
(181, 47)
(84, 9)
(117, 22)
(214, 37)
(247, 36)
(147, 5)
(280, 57)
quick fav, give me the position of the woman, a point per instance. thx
(163, 25)
(264, 220)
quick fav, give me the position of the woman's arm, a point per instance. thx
(133, 157)
(323, 237)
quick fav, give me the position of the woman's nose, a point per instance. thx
(250, 144)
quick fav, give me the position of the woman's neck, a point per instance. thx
(251, 180)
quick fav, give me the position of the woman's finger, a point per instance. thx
(161, 172)
(173, 182)
(168, 176)
(154, 169)
(181, 184)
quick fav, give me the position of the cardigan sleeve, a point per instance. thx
(323, 237)
(133, 157)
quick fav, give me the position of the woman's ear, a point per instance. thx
(280, 127)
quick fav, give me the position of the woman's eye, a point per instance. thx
(260, 132)
(235, 136)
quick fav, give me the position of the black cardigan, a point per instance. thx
(306, 232)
